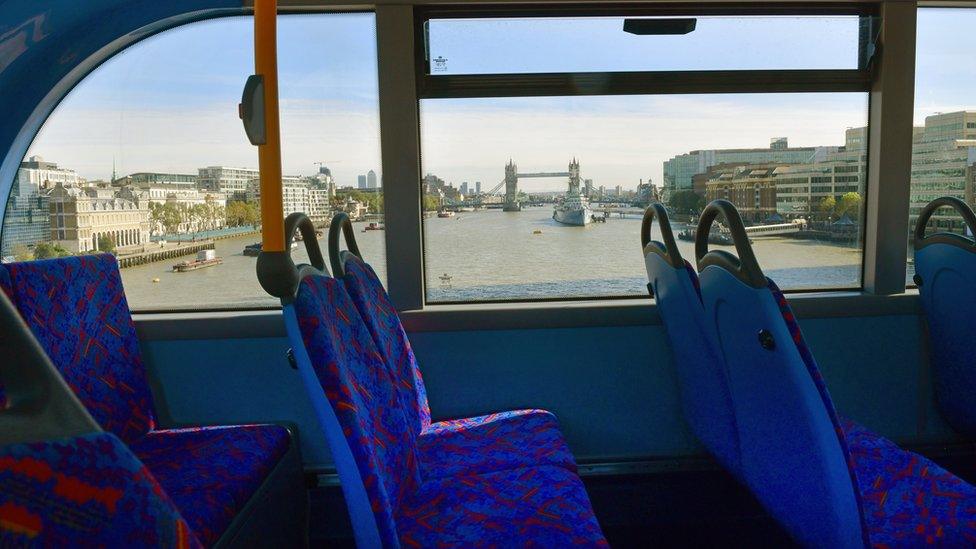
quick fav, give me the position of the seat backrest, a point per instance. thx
(794, 455)
(77, 310)
(380, 316)
(336, 347)
(945, 271)
(89, 489)
(702, 375)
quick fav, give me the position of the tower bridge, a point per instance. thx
(512, 176)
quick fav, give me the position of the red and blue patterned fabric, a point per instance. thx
(908, 500)
(539, 506)
(532, 507)
(492, 442)
(363, 396)
(86, 491)
(495, 442)
(76, 308)
(373, 303)
(211, 472)
(905, 500)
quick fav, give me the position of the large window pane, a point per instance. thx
(778, 157)
(568, 44)
(147, 154)
(944, 148)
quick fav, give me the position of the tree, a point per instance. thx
(827, 205)
(171, 217)
(687, 201)
(240, 214)
(156, 217)
(432, 202)
(22, 253)
(47, 250)
(849, 204)
(106, 244)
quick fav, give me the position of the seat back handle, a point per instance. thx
(341, 223)
(669, 249)
(744, 267)
(963, 209)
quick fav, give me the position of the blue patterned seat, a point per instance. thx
(84, 491)
(375, 446)
(827, 480)
(76, 308)
(905, 499)
(512, 439)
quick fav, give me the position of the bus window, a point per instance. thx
(146, 159)
(535, 180)
(944, 137)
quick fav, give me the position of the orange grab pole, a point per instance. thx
(269, 154)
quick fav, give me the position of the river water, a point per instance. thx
(492, 255)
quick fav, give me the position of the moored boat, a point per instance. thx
(205, 258)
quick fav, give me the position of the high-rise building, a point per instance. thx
(371, 180)
(361, 182)
(464, 188)
(222, 179)
(477, 187)
(790, 189)
(680, 170)
(944, 164)
(27, 218)
(294, 193)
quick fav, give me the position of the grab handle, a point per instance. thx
(669, 251)
(341, 222)
(944, 237)
(744, 267)
(300, 222)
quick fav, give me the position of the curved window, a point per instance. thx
(146, 158)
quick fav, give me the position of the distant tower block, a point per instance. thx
(511, 188)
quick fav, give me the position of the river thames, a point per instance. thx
(495, 255)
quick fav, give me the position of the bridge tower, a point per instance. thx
(574, 176)
(511, 188)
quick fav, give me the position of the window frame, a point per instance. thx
(434, 86)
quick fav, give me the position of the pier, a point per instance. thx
(163, 253)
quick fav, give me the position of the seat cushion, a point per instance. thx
(531, 507)
(211, 472)
(88, 490)
(908, 500)
(495, 442)
(76, 308)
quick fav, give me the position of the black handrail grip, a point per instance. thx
(300, 221)
(745, 267)
(341, 222)
(670, 251)
(942, 237)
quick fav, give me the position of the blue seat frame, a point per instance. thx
(945, 272)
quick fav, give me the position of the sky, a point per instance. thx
(169, 103)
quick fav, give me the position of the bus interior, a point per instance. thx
(451, 273)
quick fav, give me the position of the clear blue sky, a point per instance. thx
(169, 103)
